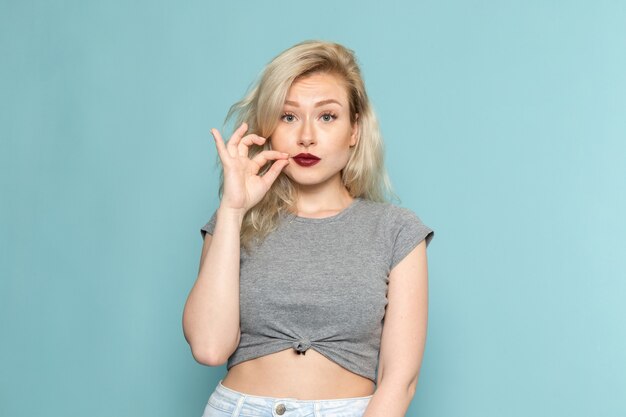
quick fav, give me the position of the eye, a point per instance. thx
(328, 117)
(288, 117)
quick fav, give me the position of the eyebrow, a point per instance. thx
(318, 104)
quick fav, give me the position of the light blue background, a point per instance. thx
(505, 124)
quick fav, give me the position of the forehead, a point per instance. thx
(318, 86)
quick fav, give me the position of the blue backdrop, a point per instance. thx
(505, 125)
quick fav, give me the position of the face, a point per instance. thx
(315, 129)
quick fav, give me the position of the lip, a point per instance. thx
(306, 159)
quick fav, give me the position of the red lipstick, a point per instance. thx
(306, 159)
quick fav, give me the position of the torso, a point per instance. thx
(287, 374)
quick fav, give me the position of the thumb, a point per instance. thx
(270, 176)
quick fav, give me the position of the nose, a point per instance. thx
(307, 134)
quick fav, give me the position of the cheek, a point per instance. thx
(273, 144)
(277, 141)
(341, 157)
(345, 142)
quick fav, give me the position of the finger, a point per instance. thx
(219, 144)
(247, 141)
(270, 176)
(235, 138)
(262, 157)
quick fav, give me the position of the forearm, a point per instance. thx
(390, 400)
(211, 315)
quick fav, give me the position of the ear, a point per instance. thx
(354, 137)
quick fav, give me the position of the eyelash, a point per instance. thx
(331, 114)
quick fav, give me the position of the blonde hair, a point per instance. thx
(363, 176)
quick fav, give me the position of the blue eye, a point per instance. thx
(328, 117)
(288, 117)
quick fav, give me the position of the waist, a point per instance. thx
(234, 402)
(285, 374)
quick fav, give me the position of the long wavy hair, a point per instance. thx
(363, 176)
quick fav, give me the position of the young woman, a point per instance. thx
(312, 287)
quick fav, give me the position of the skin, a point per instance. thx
(312, 123)
(211, 317)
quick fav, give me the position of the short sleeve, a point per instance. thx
(210, 226)
(409, 231)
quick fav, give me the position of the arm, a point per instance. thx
(211, 314)
(403, 337)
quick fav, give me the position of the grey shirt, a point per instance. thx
(322, 283)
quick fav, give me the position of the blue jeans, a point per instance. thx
(225, 402)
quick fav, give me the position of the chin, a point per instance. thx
(309, 180)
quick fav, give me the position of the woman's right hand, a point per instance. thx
(243, 188)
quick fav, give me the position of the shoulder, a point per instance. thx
(391, 220)
(398, 230)
(209, 226)
(389, 213)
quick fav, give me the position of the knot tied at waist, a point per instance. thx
(301, 346)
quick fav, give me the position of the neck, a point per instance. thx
(322, 199)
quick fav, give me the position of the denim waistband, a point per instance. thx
(229, 400)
